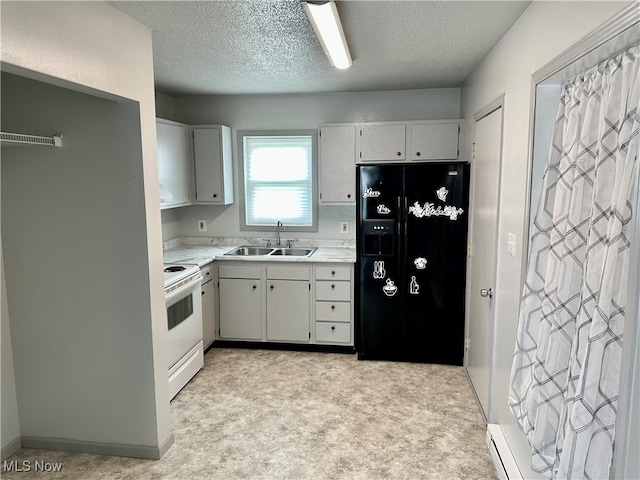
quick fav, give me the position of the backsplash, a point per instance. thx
(234, 241)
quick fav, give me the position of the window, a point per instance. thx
(278, 179)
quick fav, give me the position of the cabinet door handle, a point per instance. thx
(348, 195)
(417, 154)
(333, 307)
(271, 287)
(399, 154)
(255, 286)
(215, 195)
(333, 287)
(333, 327)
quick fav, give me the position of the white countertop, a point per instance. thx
(202, 254)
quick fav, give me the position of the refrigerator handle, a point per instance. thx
(399, 222)
(405, 216)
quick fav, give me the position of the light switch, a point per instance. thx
(511, 244)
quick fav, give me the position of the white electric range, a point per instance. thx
(184, 320)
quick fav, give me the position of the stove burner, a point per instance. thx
(175, 268)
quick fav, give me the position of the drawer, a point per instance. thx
(333, 273)
(333, 311)
(239, 271)
(207, 273)
(288, 273)
(338, 291)
(330, 332)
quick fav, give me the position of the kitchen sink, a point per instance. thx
(249, 251)
(294, 252)
(263, 251)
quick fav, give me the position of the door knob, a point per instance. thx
(486, 293)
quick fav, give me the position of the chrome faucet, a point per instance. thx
(279, 228)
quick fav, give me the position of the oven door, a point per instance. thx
(184, 318)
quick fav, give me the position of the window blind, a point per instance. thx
(278, 180)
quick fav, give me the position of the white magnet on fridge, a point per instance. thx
(442, 194)
(370, 193)
(414, 288)
(430, 210)
(382, 209)
(390, 289)
(378, 270)
(420, 263)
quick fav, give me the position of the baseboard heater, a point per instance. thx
(503, 460)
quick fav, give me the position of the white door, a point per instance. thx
(382, 143)
(434, 141)
(337, 164)
(240, 309)
(288, 311)
(484, 222)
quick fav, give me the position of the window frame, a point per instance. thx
(314, 179)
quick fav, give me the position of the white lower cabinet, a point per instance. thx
(333, 333)
(240, 300)
(334, 304)
(208, 306)
(284, 303)
(288, 304)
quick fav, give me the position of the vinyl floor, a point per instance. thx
(270, 414)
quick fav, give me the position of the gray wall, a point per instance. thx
(246, 112)
(113, 223)
(77, 285)
(544, 31)
(10, 434)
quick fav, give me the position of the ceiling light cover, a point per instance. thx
(326, 23)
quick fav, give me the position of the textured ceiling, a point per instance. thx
(269, 46)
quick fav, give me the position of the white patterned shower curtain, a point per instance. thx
(566, 368)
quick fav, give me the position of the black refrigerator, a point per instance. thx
(411, 262)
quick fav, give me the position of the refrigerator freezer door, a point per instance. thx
(434, 247)
(379, 286)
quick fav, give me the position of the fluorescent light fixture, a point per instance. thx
(326, 23)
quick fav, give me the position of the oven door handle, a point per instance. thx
(186, 287)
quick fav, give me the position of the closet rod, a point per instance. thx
(16, 139)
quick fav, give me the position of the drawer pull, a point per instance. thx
(255, 286)
(333, 272)
(333, 307)
(333, 327)
(333, 287)
(271, 287)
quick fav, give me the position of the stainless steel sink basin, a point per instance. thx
(249, 251)
(294, 252)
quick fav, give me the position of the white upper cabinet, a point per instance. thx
(382, 142)
(213, 165)
(410, 141)
(337, 164)
(434, 141)
(173, 163)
